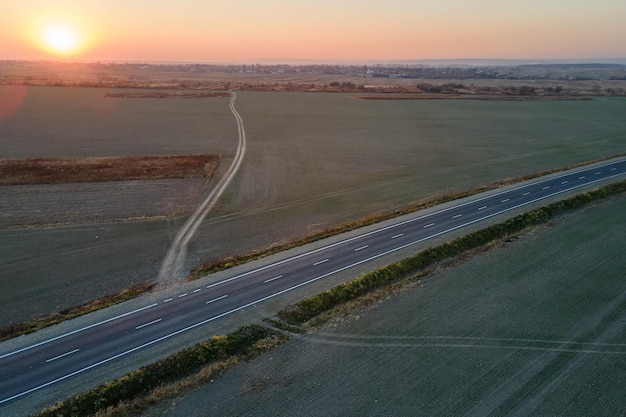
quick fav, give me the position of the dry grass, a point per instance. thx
(103, 169)
(41, 322)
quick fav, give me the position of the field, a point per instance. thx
(314, 160)
(533, 328)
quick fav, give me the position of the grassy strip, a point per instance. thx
(39, 323)
(167, 377)
(308, 308)
(231, 261)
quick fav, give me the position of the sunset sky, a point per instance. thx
(240, 31)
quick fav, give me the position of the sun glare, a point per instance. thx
(60, 40)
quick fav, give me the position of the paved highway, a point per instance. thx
(42, 365)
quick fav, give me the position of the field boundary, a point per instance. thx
(143, 388)
(231, 261)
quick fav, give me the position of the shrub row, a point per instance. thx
(312, 306)
(140, 382)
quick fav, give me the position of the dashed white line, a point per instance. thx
(182, 295)
(397, 236)
(361, 248)
(526, 193)
(168, 300)
(320, 262)
(613, 169)
(505, 200)
(148, 324)
(457, 216)
(217, 299)
(272, 279)
(62, 356)
(482, 208)
(546, 187)
(599, 172)
(198, 290)
(582, 177)
(564, 182)
(428, 225)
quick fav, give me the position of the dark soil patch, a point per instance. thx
(103, 169)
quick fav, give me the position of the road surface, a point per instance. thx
(42, 365)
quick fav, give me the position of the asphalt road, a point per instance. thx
(42, 365)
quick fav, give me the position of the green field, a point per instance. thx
(314, 160)
(534, 328)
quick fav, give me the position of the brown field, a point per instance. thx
(104, 169)
(314, 160)
(533, 328)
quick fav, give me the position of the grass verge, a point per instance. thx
(231, 261)
(166, 378)
(39, 323)
(311, 307)
(192, 367)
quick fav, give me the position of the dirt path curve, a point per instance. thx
(172, 266)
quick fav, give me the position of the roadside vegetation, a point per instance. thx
(230, 261)
(190, 368)
(41, 322)
(170, 376)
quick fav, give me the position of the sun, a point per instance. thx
(60, 39)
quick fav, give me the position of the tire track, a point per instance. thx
(173, 264)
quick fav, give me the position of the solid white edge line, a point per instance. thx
(217, 299)
(62, 356)
(76, 331)
(193, 326)
(411, 220)
(148, 324)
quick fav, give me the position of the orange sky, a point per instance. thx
(254, 30)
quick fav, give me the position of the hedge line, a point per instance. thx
(312, 306)
(170, 369)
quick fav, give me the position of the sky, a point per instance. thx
(242, 31)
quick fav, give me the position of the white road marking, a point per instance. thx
(217, 299)
(505, 200)
(613, 169)
(361, 248)
(429, 225)
(182, 295)
(526, 193)
(392, 226)
(198, 290)
(564, 182)
(482, 208)
(76, 331)
(397, 236)
(546, 187)
(457, 216)
(582, 177)
(193, 326)
(320, 262)
(62, 356)
(168, 300)
(148, 324)
(272, 279)
(599, 172)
